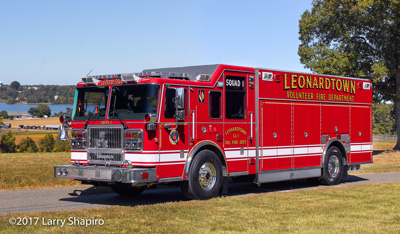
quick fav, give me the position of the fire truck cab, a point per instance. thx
(202, 126)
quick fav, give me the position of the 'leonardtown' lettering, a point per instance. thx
(314, 82)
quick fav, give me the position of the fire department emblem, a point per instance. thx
(201, 96)
(174, 137)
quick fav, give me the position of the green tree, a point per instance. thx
(27, 145)
(44, 110)
(4, 114)
(33, 111)
(62, 146)
(7, 143)
(10, 100)
(15, 85)
(46, 144)
(40, 111)
(358, 38)
(383, 120)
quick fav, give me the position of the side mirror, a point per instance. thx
(180, 99)
(64, 120)
(180, 103)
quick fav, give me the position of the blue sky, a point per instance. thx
(58, 42)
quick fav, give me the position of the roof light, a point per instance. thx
(178, 75)
(90, 80)
(277, 78)
(203, 77)
(129, 77)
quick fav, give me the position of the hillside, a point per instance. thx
(54, 94)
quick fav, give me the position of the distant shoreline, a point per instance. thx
(22, 103)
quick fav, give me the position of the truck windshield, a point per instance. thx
(90, 103)
(133, 102)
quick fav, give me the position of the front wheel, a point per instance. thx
(333, 167)
(205, 176)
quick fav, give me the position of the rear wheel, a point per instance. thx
(205, 177)
(333, 167)
(127, 190)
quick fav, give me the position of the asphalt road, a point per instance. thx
(38, 200)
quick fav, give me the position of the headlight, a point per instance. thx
(133, 139)
(78, 140)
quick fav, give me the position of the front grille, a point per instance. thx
(105, 137)
(104, 157)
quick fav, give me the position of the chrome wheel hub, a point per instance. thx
(207, 176)
(333, 167)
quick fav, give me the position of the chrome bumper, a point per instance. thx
(105, 174)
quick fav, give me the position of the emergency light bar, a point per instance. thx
(178, 75)
(134, 76)
(129, 77)
(149, 74)
(108, 77)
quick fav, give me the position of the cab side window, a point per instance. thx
(235, 94)
(215, 105)
(169, 105)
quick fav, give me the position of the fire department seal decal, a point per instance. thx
(174, 137)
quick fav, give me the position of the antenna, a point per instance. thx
(89, 73)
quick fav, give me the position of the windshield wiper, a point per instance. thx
(87, 121)
(116, 113)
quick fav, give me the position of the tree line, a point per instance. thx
(53, 94)
(356, 38)
(27, 145)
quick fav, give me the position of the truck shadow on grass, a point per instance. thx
(105, 196)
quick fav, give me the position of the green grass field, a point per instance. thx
(359, 209)
(32, 170)
(356, 209)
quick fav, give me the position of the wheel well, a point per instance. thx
(219, 155)
(341, 148)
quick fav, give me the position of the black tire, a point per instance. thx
(333, 167)
(127, 190)
(205, 176)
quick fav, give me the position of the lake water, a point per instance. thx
(25, 107)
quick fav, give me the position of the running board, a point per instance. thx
(275, 176)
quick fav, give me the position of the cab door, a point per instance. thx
(236, 118)
(174, 135)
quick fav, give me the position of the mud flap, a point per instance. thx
(224, 187)
(345, 174)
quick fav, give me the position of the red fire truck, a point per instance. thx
(202, 126)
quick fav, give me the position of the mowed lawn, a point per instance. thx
(353, 209)
(356, 209)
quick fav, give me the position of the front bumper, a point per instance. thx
(106, 174)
